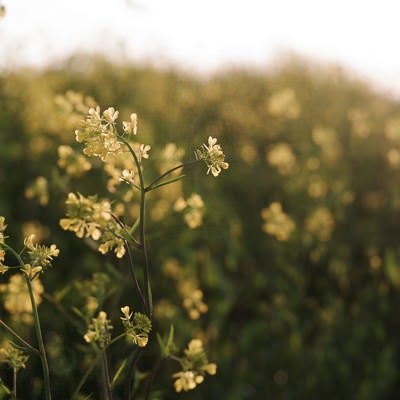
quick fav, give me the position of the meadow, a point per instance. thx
(286, 265)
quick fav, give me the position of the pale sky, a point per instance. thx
(205, 35)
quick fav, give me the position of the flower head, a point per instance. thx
(40, 256)
(213, 156)
(137, 326)
(99, 134)
(99, 330)
(13, 356)
(194, 366)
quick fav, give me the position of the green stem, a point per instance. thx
(93, 364)
(14, 392)
(142, 229)
(107, 375)
(150, 187)
(38, 331)
(39, 337)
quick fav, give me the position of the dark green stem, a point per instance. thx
(107, 375)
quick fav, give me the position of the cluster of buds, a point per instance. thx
(137, 326)
(99, 330)
(194, 366)
(13, 356)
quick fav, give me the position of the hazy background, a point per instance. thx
(207, 35)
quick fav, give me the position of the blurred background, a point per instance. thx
(298, 255)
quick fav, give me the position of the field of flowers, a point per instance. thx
(269, 264)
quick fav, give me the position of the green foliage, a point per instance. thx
(307, 313)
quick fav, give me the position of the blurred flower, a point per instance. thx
(73, 163)
(213, 156)
(194, 366)
(187, 380)
(321, 223)
(284, 104)
(248, 153)
(99, 330)
(2, 11)
(192, 296)
(144, 151)
(169, 157)
(392, 129)
(13, 356)
(326, 138)
(193, 209)
(317, 186)
(40, 231)
(16, 298)
(276, 222)
(360, 124)
(281, 157)
(131, 126)
(393, 158)
(38, 190)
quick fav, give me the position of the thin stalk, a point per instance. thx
(39, 337)
(19, 338)
(107, 375)
(150, 187)
(90, 369)
(14, 392)
(151, 379)
(133, 274)
(142, 230)
(38, 331)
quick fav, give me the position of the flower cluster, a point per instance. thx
(88, 217)
(16, 298)
(13, 356)
(137, 326)
(40, 256)
(73, 163)
(194, 366)
(284, 104)
(276, 222)
(39, 190)
(99, 134)
(99, 330)
(193, 209)
(213, 156)
(321, 223)
(281, 157)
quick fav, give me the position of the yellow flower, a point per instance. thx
(187, 380)
(131, 126)
(99, 330)
(277, 223)
(213, 156)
